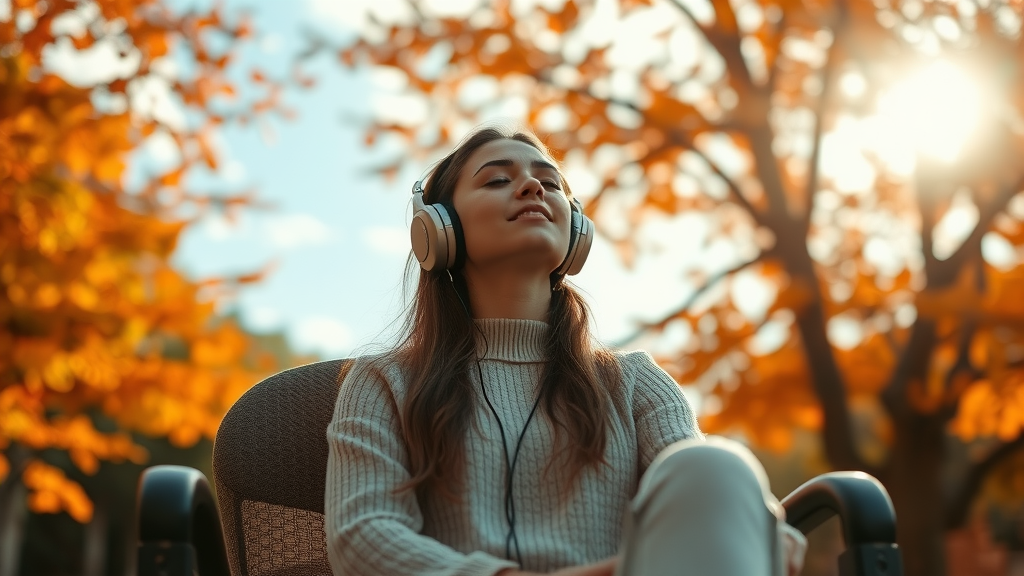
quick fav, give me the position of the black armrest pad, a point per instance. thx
(860, 501)
(176, 511)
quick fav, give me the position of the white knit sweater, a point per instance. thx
(373, 531)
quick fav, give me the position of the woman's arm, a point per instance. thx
(661, 413)
(371, 528)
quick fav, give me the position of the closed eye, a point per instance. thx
(549, 184)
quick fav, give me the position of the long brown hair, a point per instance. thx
(439, 348)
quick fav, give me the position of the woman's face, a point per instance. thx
(513, 207)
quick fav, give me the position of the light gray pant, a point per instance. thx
(703, 508)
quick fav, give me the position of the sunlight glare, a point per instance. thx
(935, 110)
(955, 225)
(853, 84)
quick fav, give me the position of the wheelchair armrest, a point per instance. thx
(865, 512)
(178, 524)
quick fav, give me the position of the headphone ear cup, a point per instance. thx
(433, 238)
(456, 239)
(581, 238)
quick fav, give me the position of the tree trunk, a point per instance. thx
(94, 553)
(914, 482)
(12, 512)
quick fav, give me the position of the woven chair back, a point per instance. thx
(269, 468)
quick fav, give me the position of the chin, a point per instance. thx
(529, 260)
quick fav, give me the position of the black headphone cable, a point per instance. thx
(510, 463)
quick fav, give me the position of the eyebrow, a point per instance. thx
(506, 162)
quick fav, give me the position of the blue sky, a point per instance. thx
(338, 234)
(334, 236)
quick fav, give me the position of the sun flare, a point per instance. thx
(935, 110)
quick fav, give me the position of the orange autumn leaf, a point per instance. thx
(797, 295)
(51, 491)
(97, 321)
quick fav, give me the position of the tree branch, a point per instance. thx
(705, 32)
(826, 82)
(773, 72)
(734, 190)
(962, 364)
(543, 77)
(986, 214)
(913, 359)
(827, 381)
(685, 141)
(959, 502)
(689, 302)
(728, 45)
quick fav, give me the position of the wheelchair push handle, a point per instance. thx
(865, 512)
(178, 525)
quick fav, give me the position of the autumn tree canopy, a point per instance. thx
(856, 161)
(95, 324)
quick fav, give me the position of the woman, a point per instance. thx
(497, 438)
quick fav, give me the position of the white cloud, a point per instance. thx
(263, 318)
(449, 8)
(162, 150)
(98, 64)
(292, 230)
(152, 97)
(349, 16)
(387, 239)
(272, 43)
(74, 22)
(352, 15)
(165, 66)
(233, 172)
(218, 227)
(402, 109)
(321, 335)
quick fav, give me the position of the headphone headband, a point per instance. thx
(438, 243)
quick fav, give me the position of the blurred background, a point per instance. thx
(809, 211)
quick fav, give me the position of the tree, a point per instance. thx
(101, 337)
(894, 323)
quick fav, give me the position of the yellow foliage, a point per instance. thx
(94, 314)
(646, 128)
(51, 491)
(867, 366)
(990, 408)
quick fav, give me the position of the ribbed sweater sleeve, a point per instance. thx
(371, 529)
(660, 411)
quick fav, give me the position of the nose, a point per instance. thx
(531, 186)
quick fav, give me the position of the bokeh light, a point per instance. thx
(935, 110)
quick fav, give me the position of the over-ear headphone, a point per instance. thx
(438, 242)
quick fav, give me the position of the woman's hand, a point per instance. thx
(602, 568)
(794, 548)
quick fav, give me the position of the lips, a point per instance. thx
(532, 208)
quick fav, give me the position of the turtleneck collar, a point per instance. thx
(512, 339)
